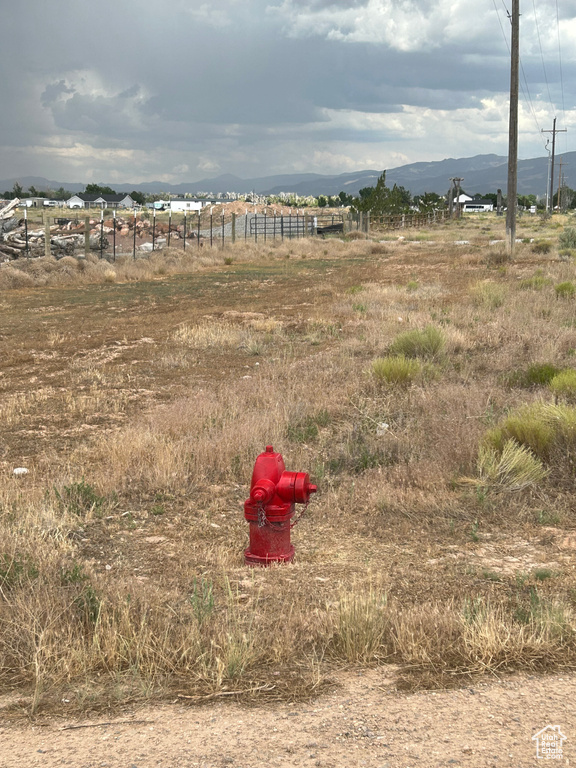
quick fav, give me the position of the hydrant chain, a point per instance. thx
(261, 515)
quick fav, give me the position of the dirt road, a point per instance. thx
(362, 722)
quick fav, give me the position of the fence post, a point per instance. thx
(211, 229)
(198, 237)
(233, 228)
(101, 232)
(47, 251)
(86, 236)
(134, 237)
(153, 228)
(114, 235)
(305, 225)
(26, 231)
(184, 231)
(255, 227)
(222, 230)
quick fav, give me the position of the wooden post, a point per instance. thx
(233, 228)
(47, 251)
(511, 191)
(86, 236)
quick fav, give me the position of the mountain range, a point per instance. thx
(480, 174)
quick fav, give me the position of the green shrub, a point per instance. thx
(565, 290)
(541, 427)
(80, 498)
(537, 375)
(306, 429)
(396, 369)
(489, 294)
(535, 283)
(426, 343)
(542, 247)
(513, 468)
(15, 570)
(564, 384)
(568, 238)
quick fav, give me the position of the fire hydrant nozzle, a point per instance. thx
(274, 492)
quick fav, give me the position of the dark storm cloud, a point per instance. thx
(217, 83)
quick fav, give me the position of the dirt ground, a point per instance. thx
(71, 354)
(363, 721)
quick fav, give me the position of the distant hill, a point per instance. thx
(480, 174)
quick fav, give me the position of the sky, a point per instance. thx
(141, 90)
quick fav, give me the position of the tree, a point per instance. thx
(429, 201)
(380, 200)
(61, 194)
(17, 190)
(36, 192)
(322, 202)
(346, 199)
(95, 189)
(138, 197)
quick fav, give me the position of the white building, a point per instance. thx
(183, 205)
(477, 206)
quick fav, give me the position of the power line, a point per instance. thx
(560, 66)
(542, 55)
(525, 93)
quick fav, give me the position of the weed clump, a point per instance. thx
(396, 369)
(426, 343)
(537, 375)
(548, 430)
(567, 239)
(489, 294)
(542, 247)
(80, 499)
(535, 283)
(563, 385)
(565, 290)
(512, 469)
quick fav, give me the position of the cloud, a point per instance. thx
(194, 88)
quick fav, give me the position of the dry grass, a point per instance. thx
(121, 566)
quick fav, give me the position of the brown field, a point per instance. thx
(138, 395)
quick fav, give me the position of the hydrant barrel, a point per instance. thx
(274, 492)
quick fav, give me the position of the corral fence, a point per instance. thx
(140, 235)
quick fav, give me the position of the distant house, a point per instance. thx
(181, 205)
(477, 206)
(82, 200)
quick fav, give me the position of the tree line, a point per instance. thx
(379, 200)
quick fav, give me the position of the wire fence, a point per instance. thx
(139, 235)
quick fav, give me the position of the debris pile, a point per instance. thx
(19, 240)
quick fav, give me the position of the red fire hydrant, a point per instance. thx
(270, 508)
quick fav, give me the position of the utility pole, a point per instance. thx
(456, 182)
(559, 186)
(512, 190)
(554, 131)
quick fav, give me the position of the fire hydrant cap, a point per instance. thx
(269, 449)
